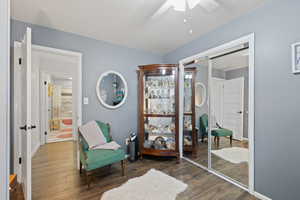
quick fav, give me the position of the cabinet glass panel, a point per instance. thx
(159, 94)
(188, 81)
(188, 131)
(159, 133)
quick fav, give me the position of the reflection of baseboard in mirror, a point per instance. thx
(225, 148)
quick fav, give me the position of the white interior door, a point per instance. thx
(233, 106)
(217, 101)
(26, 106)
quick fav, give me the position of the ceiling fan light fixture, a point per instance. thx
(178, 5)
(193, 3)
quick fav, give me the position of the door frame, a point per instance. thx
(5, 102)
(17, 53)
(250, 39)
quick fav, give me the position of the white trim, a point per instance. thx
(17, 111)
(5, 101)
(98, 89)
(35, 149)
(245, 139)
(181, 105)
(260, 196)
(293, 46)
(246, 39)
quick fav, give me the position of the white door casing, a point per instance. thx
(233, 106)
(26, 114)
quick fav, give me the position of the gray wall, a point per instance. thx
(98, 57)
(236, 73)
(277, 97)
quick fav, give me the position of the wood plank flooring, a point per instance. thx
(55, 177)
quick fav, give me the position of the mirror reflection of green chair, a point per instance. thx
(216, 132)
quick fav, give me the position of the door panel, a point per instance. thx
(233, 106)
(26, 114)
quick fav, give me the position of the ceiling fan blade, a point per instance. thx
(209, 5)
(164, 8)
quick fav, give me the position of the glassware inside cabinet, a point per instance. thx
(188, 78)
(187, 130)
(159, 95)
(159, 133)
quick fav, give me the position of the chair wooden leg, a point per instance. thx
(231, 140)
(218, 141)
(215, 139)
(80, 168)
(88, 178)
(123, 167)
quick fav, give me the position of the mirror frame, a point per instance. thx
(204, 95)
(98, 89)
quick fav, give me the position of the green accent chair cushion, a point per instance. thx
(221, 132)
(102, 157)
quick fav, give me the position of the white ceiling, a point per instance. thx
(129, 22)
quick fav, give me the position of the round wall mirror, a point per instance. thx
(200, 94)
(111, 89)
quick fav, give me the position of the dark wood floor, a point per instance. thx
(55, 177)
(238, 172)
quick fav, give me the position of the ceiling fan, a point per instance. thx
(184, 5)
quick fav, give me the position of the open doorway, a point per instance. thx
(58, 102)
(62, 70)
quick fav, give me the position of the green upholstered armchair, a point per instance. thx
(217, 133)
(90, 160)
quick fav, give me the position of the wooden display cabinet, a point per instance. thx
(158, 110)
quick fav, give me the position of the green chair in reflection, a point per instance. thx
(216, 132)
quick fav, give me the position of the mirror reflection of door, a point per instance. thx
(196, 111)
(228, 114)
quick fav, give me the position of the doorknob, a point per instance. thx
(33, 127)
(24, 127)
(240, 112)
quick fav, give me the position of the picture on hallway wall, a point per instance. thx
(296, 58)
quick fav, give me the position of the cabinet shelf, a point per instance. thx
(159, 115)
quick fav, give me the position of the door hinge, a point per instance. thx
(20, 160)
(46, 133)
(45, 83)
(20, 61)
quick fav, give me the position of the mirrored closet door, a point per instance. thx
(215, 118)
(195, 134)
(229, 113)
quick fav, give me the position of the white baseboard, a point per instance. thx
(37, 146)
(261, 196)
(246, 139)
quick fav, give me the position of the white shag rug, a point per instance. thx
(154, 185)
(234, 155)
